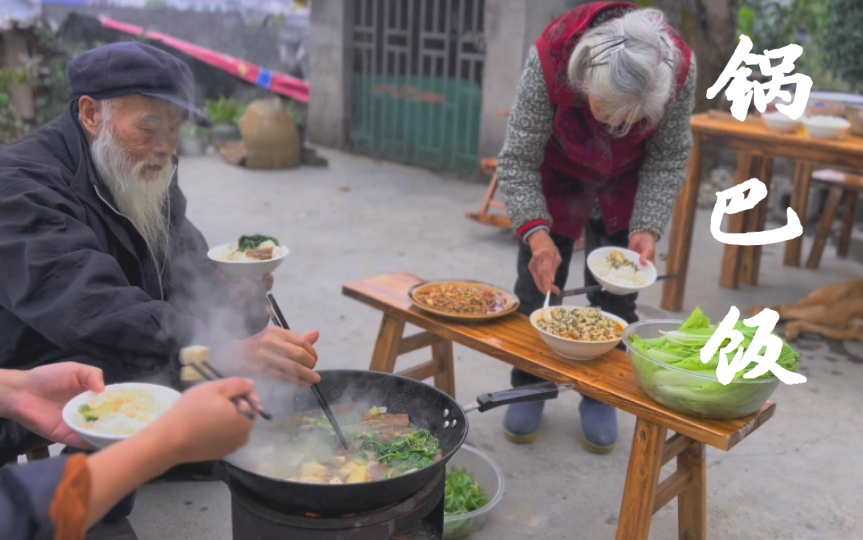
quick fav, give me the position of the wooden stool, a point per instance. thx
(489, 166)
(841, 185)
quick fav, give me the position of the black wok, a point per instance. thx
(427, 408)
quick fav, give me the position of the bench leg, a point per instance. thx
(692, 501)
(642, 477)
(800, 205)
(824, 227)
(847, 224)
(732, 258)
(444, 379)
(387, 345)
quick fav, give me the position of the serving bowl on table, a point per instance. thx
(572, 349)
(489, 476)
(237, 270)
(609, 282)
(507, 305)
(827, 127)
(695, 393)
(780, 123)
(163, 396)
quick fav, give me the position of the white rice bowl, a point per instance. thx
(232, 253)
(623, 280)
(237, 265)
(126, 409)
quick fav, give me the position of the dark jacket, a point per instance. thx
(26, 494)
(77, 280)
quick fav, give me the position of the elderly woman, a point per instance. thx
(598, 142)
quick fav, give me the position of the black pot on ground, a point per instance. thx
(226, 133)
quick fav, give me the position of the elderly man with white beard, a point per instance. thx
(98, 261)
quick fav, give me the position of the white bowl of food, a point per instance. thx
(780, 123)
(619, 270)
(579, 333)
(252, 256)
(119, 412)
(827, 127)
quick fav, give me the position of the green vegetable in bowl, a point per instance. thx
(253, 241)
(463, 493)
(681, 349)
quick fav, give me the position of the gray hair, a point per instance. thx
(628, 65)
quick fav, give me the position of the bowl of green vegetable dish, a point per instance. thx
(666, 358)
(474, 486)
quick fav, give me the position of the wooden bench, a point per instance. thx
(609, 379)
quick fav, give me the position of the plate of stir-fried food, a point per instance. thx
(463, 300)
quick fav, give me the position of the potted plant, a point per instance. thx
(225, 113)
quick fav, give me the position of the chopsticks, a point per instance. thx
(592, 288)
(280, 321)
(214, 375)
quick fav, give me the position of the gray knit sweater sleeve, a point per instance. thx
(666, 156)
(530, 126)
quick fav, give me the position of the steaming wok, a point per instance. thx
(427, 407)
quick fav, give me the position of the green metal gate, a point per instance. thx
(417, 75)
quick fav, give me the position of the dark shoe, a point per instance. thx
(521, 422)
(598, 426)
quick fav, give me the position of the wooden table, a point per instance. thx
(756, 146)
(608, 379)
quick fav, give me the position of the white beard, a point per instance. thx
(140, 196)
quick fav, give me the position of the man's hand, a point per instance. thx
(283, 354)
(644, 243)
(35, 398)
(545, 261)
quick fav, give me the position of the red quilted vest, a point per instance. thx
(583, 163)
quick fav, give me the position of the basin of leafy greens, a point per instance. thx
(666, 358)
(474, 486)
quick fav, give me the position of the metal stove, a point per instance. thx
(420, 517)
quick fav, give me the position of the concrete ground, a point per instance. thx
(798, 477)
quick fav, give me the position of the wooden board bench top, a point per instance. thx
(514, 340)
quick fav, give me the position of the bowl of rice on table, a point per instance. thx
(578, 333)
(119, 412)
(619, 270)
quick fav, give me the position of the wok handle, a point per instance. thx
(532, 392)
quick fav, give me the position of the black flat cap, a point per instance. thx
(121, 69)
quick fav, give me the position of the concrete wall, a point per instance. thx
(511, 27)
(329, 50)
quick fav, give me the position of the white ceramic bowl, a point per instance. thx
(246, 269)
(620, 287)
(571, 348)
(780, 123)
(163, 394)
(827, 127)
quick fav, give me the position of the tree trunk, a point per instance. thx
(710, 29)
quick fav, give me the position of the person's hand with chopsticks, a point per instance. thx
(283, 354)
(208, 422)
